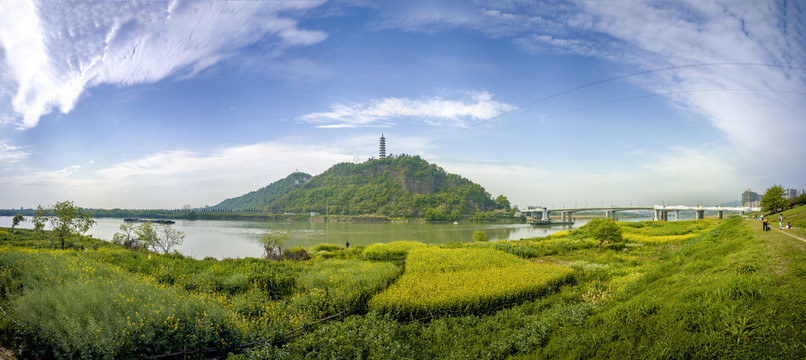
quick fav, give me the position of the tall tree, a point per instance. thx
(65, 218)
(773, 199)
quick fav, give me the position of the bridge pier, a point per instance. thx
(676, 215)
(720, 213)
(546, 214)
(700, 214)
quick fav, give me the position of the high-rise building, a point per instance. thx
(750, 198)
(382, 153)
(791, 193)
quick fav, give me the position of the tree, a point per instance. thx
(167, 238)
(16, 221)
(502, 202)
(66, 220)
(479, 236)
(147, 235)
(273, 241)
(127, 237)
(773, 199)
(605, 231)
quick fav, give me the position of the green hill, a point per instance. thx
(394, 186)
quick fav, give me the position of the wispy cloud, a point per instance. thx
(53, 52)
(10, 153)
(747, 55)
(435, 111)
(737, 47)
(171, 178)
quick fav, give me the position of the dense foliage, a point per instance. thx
(773, 199)
(605, 231)
(394, 186)
(66, 219)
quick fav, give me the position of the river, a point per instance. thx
(237, 239)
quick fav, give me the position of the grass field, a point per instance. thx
(691, 289)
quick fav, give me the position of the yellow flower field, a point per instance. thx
(466, 280)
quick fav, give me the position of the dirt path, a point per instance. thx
(796, 237)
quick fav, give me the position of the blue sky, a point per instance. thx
(555, 103)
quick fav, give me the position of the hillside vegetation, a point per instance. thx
(690, 289)
(394, 186)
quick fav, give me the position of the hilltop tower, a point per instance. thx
(382, 153)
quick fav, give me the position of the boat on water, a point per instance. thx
(550, 223)
(155, 221)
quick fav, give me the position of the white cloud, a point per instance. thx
(737, 65)
(434, 111)
(750, 54)
(52, 52)
(10, 153)
(679, 175)
(170, 179)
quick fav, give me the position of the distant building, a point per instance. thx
(791, 193)
(750, 198)
(382, 152)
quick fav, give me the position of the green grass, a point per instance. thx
(72, 307)
(729, 292)
(470, 280)
(693, 289)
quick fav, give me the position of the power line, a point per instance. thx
(599, 82)
(632, 99)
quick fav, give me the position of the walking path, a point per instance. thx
(796, 237)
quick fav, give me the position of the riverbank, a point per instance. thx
(238, 239)
(689, 289)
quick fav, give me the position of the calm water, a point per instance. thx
(237, 239)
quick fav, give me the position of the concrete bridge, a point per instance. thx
(661, 211)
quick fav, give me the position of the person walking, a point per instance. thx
(781, 222)
(765, 224)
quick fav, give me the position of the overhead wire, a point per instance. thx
(599, 82)
(632, 98)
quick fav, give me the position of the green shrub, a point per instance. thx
(479, 236)
(326, 247)
(392, 250)
(296, 253)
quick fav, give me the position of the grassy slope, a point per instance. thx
(732, 293)
(736, 293)
(796, 217)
